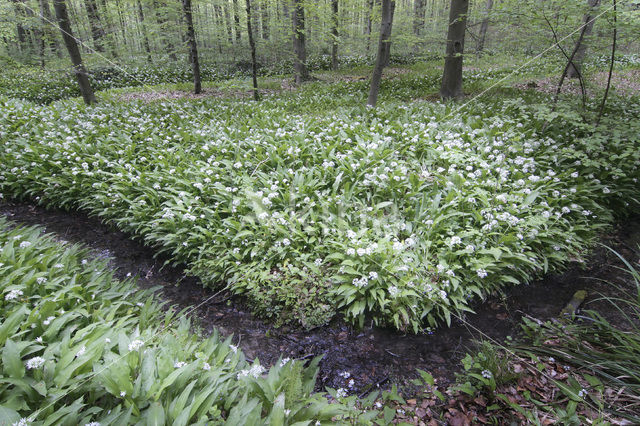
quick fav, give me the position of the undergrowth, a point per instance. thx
(404, 213)
(80, 347)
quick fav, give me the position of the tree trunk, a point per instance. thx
(193, 46)
(418, 21)
(387, 42)
(299, 44)
(109, 32)
(452, 75)
(484, 25)
(368, 23)
(581, 48)
(74, 53)
(334, 34)
(162, 22)
(252, 44)
(97, 32)
(264, 18)
(385, 33)
(145, 36)
(227, 22)
(48, 23)
(236, 20)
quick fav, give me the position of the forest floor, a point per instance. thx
(373, 357)
(626, 82)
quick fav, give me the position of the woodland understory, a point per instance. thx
(292, 212)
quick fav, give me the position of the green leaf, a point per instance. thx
(12, 361)
(155, 415)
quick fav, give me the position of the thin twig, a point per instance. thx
(569, 62)
(613, 59)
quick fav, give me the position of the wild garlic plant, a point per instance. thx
(402, 214)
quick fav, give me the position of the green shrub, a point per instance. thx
(79, 346)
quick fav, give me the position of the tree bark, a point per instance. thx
(109, 32)
(227, 22)
(236, 20)
(74, 53)
(252, 44)
(97, 32)
(264, 20)
(334, 34)
(162, 22)
(385, 33)
(452, 75)
(193, 46)
(484, 26)
(145, 35)
(48, 21)
(299, 43)
(368, 23)
(387, 42)
(418, 21)
(581, 47)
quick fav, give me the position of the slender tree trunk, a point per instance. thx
(74, 53)
(252, 44)
(48, 22)
(299, 43)
(334, 34)
(418, 21)
(145, 36)
(97, 32)
(162, 22)
(387, 43)
(25, 34)
(109, 31)
(368, 23)
(581, 49)
(484, 26)
(385, 33)
(123, 33)
(452, 75)
(227, 22)
(236, 20)
(264, 18)
(193, 46)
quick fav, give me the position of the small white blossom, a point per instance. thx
(135, 345)
(13, 294)
(284, 362)
(179, 364)
(35, 362)
(25, 244)
(486, 374)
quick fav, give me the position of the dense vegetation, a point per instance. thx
(80, 347)
(311, 202)
(403, 213)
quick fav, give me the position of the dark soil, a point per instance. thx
(373, 356)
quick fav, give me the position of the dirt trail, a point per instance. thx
(372, 356)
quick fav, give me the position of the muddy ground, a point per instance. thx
(373, 356)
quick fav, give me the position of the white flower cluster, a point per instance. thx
(34, 363)
(255, 371)
(13, 294)
(135, 345)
